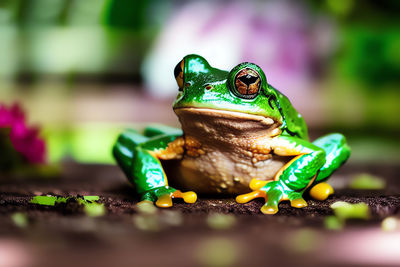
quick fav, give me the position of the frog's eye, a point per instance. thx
(247, 83)
(178, 72)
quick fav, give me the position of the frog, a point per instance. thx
(239, 136)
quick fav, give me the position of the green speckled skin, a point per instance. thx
(206, 87)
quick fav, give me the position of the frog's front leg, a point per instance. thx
(293, 178)
(139, 157)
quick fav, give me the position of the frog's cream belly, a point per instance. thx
(217, 173)
(220, 156)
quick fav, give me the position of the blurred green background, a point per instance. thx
(84, 70)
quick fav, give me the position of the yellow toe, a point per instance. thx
(165, 201)
(189, 197)
(269, 210)
(250, 196)
(298, 203)
(321, 191)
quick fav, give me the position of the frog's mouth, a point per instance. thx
(208, 112)
(223, 121)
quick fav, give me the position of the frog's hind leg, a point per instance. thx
(337, 152)
(124, 147)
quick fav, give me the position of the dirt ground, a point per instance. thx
(187, 235)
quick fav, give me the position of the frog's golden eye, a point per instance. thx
(178, 72)
(247, 83)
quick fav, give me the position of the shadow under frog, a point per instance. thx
(239, 136)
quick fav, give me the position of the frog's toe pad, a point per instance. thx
(321, 191)
(269, 210)
(298, 203)
(188, 197)
(250, 196)
(164, 201)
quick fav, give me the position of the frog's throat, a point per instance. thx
(266, 121)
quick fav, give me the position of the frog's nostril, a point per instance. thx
(208, 87)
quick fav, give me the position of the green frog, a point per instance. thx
(239, 135)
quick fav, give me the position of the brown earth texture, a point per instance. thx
(212, 232)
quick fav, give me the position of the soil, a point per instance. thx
(63, 235)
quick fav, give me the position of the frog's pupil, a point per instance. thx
(248, 79)
(247, 83)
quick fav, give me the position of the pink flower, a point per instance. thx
(25, 139)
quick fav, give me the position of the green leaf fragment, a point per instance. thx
(344, 210)
(62, 200)
(91, 198)
(367, 181)
(80, 201)
(48, 200)
(91, 208)
(44, 200)
(20, 219)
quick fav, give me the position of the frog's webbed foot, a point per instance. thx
(296, 200)
(163, 196)
(272, 192)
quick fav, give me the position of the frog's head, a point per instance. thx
(242, 93)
